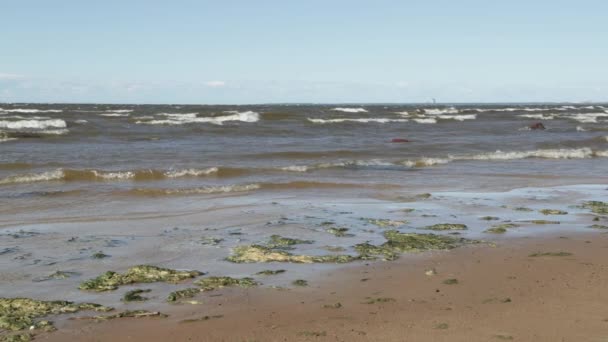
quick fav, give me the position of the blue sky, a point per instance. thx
(303, 51)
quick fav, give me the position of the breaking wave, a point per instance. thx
(350, 110)
(23, 110)
(363, 120)
(33, 124)
(186, 118)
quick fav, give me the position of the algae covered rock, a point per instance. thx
(385, 223)
(21, 313)
(212, 283)
(496, 230)
(339, 232)
(270, 272)
(181, 294)
(277, 241)
(553, 212)
(598, 226)
(137, 274)
(446, 226)
(258, 253)
(596, 207)
(135, 295)
(398, 243)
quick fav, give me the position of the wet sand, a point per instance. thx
(502, 293)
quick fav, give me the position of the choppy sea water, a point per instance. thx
(156, 184)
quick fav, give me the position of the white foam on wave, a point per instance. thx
(117, 175)
(425, 120)
(423, 162)
(81, 121)
(24, 110)
(537, 116)
(362, 120)
(186, 118)
(33, 177)
(580, 129)
(458, 117)
(191, 172)
(350, 110)
(33, 124)
(440, 111)
(119, 111)
(295, 168)
(114, 114)
(208, 189)
(586, 117)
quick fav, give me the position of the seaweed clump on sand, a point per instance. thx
(398, 243)
(137, 274)
(22, 313)
(258, 253)
(553, 212)
(385, 223)
(181, 294)
(598, 226)
(446, 226)
(596, 207)
(339, 232)
(501, 228)
(135, 295)
(280, 242)
(213, 283)
(270, 272)
(550, 254)
(128, 313)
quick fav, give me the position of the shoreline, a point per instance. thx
(502, 293)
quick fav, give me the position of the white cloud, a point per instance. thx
(215, 84)
(5, 76)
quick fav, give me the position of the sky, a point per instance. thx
(313, 51)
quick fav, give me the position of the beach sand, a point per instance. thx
(502, 293)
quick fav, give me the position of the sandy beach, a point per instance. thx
(501, 293)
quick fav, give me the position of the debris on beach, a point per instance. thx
(270, 272)
(258, 253)
(339, 232)
(596, 207)
(501, 228)
(452, 281)
(490, 218)
(135, 295)
(213, 283)
(553, 212)
(398, 243)
(522, 209)
(201, 319)
(446, 226)
(126, 314)
(181, 294)
(99, 255)
(370, 300)
(557, 254)
(542, 222)
(384, 223)
(333, 306)
(279, 242)
(598, 226)
(300, 282)
(138, 274)
(22, 313)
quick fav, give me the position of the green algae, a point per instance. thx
(598, 226)
(99, 255)
(211, 241)
(270, 272)
(489, 218)
(334, 249)
(312, 333)
(21, 313)
(137, 274)
(57, 275)
(213, 283)
(446, 226)
(333, 306)
(452, 281)
(135, 295)
(556, 254)
(522, 209)
(596, 207)
(385, 223)
(181, 294)
(16, 338)
(258, 253)
(300, 282)
(370, 300)
(128, 314)
(201, 319)
(542, 222)
(277, 241)
(553, 212)
(398, 243)
(496, 230)
(442, 326)
(339, 232)
(504, 337)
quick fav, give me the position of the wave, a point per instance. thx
(33, 124)
(196, 191)
(114, 114)
(23, 110)
(350, 110)
(586, 117)
(440, 111)
(458, 117)
(69, 175)
(425, 120)
(537, 116)
(186, 118)
(362, 120)
(119, 110)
